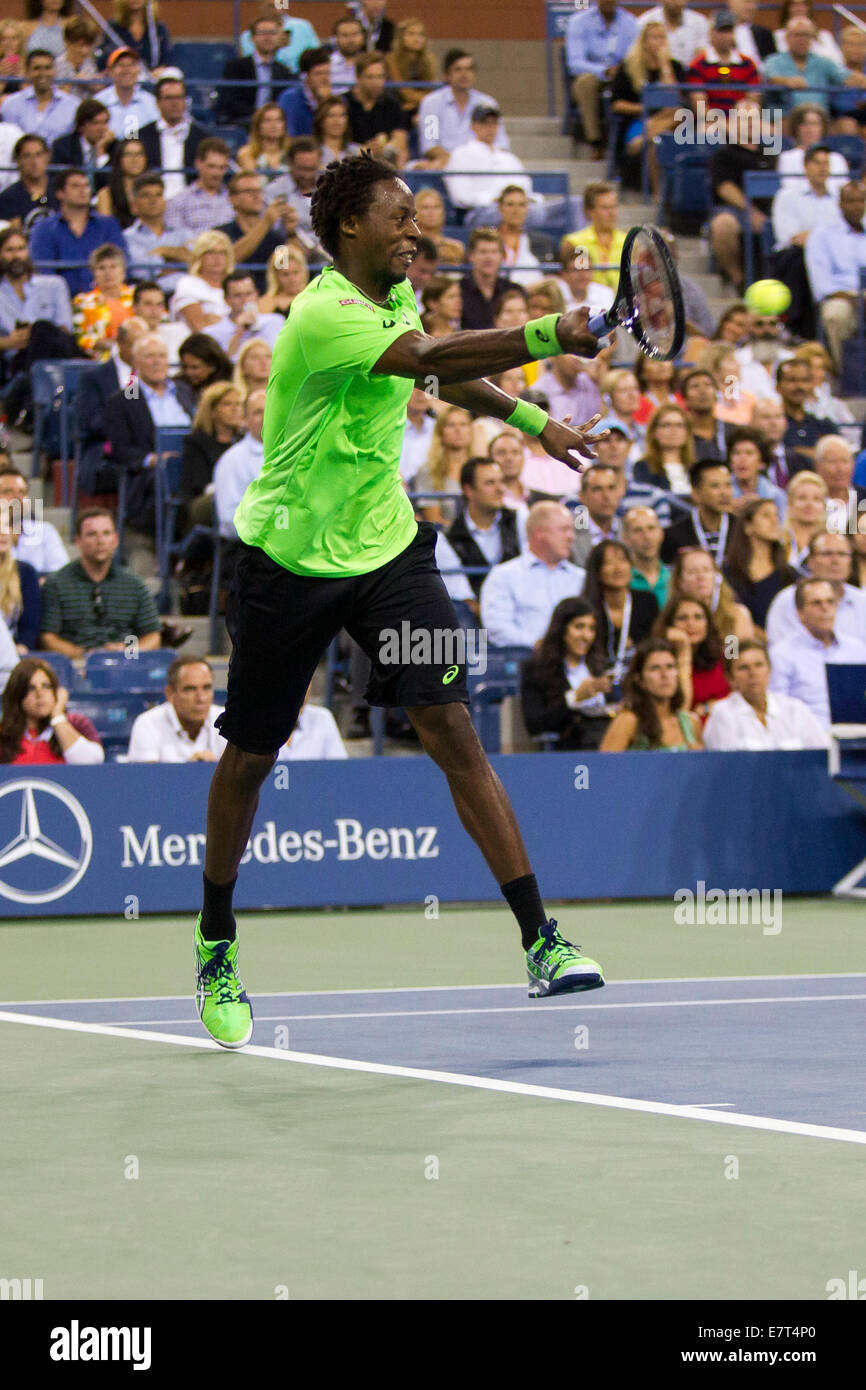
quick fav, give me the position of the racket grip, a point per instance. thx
(598, 325)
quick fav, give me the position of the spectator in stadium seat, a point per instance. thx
(40, 107)
(479, 170)
(614, 453)
(98, 313)
(568, 387)
(693, 575)
(253, 366)
(93, 603)
(602, 240)
(411, 59)
(625, 617)
(729, 165)
(299, 103)
(577, 281)
(642, 535)
(748, 459)
(378, 28)
(418, 436)
(687, 31)
(244, 319)
(848, 107)
(596, 518)
(267, 76)
(256, 230)
(20, 594)
(202, 362)
(485, 532)
(688, 625)
(809, 125)
(719, 62)
(835, 255)
(755, 719)
(95, 473)
(171, 141)
(709, 435)
(205, 204)
(132, 419)
(305, 161)
(655, 380)
(800, 63)
(524, 247)
(74, 232)
(596, 41)
(114, 199)
(332, 130)
(35, 726)
(752, 39)
(822, 402)
(32, 193)
(376, 118)
(430, 219)
(235, 470)
(444, 116)
(757, 566)
(267, 150)
(298, 36)
(484, 283)
(546, 478)
(518, 597)
(733, 404)
(669, 453)
(12, 54)
(794, 384)
(441, 306)
(800, 661)
(151, 248)
(314, 736)
(287, 274)
(38, 544)
(506, 449)
(805, 516)
(130, 107)
(182, 729)
(90, 144)
(150, 304)
(647, 61)
(217, 425)
(450, 448)
(769, 417)
(423, 267)
(830, 557)
(708, 524)
(348, 43)
(797, 213)
(26, 298)
(136, 23)
(199, 300)
(653, 717)
(564, 683)
(622, 394)
(834, 464)
(77, 62)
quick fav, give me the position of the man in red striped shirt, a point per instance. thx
(719, 61)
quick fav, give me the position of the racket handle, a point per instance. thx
(598, 326)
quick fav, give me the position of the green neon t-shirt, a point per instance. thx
(329, 499)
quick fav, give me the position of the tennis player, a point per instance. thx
(331, 541)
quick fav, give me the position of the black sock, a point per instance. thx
(217, 918)
(523, 898)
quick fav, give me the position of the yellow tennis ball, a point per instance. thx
(768, 297)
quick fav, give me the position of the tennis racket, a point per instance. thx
(649, 299)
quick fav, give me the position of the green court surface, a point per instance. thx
(260, 1178)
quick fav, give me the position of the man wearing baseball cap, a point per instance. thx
(721, 61)
(478, 171)
(130, 107)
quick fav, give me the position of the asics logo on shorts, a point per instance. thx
(450, 675)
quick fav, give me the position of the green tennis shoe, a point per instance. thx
(221, 999)
(554, 966)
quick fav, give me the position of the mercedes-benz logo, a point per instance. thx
(31, 843)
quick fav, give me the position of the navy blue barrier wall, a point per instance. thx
(122, 840)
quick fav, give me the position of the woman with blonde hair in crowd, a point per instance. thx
(12, 51)
(20, 594)
(287, 274)
(442, 301)
(668, 452)
(734, 405)
(806, 515)
(253, 366)
(822, 402)
(267, 150)
(198, 300)
(647, 61)
(693, 575)
(430, 220)
(450, 448)
(622, 394)
(411, 60)
(545, 297)
(653, 715)
(218, 424)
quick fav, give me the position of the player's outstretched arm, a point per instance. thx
(479, 352)
(561, 440)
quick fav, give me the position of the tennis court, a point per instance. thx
(408, 1124)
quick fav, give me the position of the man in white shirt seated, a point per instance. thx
(314, 736)
(39, 541)
(796, 213)
(237, 467)
(243, 320)
(519, 596)
(800, 663)
(418, 436)
(755, 719)
(444, 115)
(579, 290)
(478, 171)
(182, 730)
(830, 558)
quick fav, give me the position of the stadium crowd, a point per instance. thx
(685, 591)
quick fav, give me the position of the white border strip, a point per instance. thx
(651, 1107)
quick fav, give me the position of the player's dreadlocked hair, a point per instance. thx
(345, 189)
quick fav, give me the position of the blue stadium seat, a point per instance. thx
(852, 148)
(203, 60)
(113, 715)
(116, 672)
(488, 688)
(685, 191)
(66, 672)
(234, 136)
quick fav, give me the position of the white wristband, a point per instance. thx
(58, 719)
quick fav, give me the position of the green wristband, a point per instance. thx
(527, 417)
(541, 339)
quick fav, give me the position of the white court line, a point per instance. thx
(546, 1006)
(432, 989)
(481, 1083)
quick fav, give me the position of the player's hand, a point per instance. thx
(574, 336)
(564, 442)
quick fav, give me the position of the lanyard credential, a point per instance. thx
(619, 663)
(719, 548)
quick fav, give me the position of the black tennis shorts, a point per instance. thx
(281, 624)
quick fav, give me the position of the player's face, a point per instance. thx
(387, 235)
